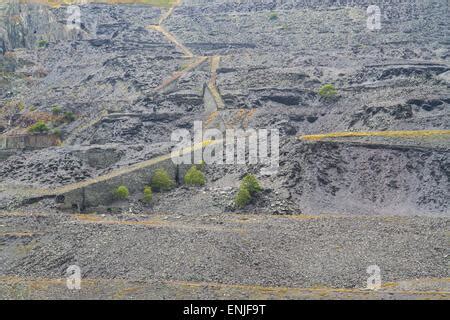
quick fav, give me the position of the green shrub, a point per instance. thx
(273, 16)
(56, 110)
(121, 193)
(194, 177)
(42, 44)
(249, 187)
(69, 116)
(243, 197)
(148, 195)
(38, 127)
(161, 181)
(251, 184)
(327, 91)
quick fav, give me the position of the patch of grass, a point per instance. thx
(327, 91)
(121, 193)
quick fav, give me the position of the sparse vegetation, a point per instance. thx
(249, 187)
(121, 193)
(194, 177)
(69, 116)
(56, 110)
(42, 44)
(38, 127)
(148, 195)
(161, 181)
(327, 91)
(57, 132)
(21, 106)
(273, 16)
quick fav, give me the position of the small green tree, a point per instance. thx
(194, 177)
(251, 184)
(327, 91)
(161, 181)
(38, 127)
(148, 195)
(121, 193)
(243, 197)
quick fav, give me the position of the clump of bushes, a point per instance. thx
(38, 127)
(161, 181)
(248, 188)
(194, 177)
(62, 116)
(327, 91)
(121, 193)
(148, 195)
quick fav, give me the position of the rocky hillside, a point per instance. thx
(363, 116)
(134, 73)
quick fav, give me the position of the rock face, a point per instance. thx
(130, 86)
(376, 192)
(23, 25)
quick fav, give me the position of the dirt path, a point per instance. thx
(387, 134)
(97, 288)
(212, 85)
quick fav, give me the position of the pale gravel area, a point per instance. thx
(296, 251)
